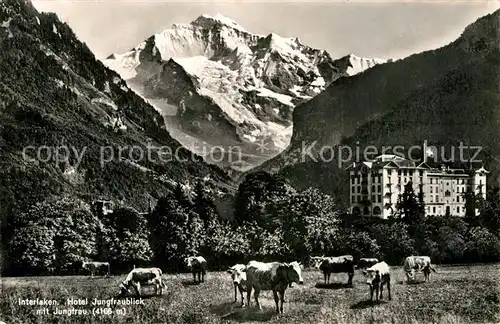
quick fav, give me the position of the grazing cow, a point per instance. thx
(93, 267)
(417, 263)
(364, 263)
(377, 276)
(239, 277)
(146, 276)
(329, 265)
(198, 266)
(275, 276)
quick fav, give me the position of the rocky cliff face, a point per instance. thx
(222, 85)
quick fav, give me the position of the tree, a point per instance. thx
(54, 235)
(258, 197)
(127, 237)
(482, 246)
(176, 232)
(311, 223)
(410, 205)
(489, 215)
(204, 205)
(359, 245)
(229, 245)
(394, 241)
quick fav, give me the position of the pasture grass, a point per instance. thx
(455, 295)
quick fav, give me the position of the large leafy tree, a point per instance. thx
(126, 238)
(177, 231)
(55, 235)
(394, 241)
(258, 199)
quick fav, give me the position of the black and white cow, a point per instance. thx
(414, 264)
(239, 277)
(275, 276)
(95, 267)
(198, 266)
(143, 276)
(377, 276)
(364, 263)
(340, 264)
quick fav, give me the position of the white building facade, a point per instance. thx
(375, 186)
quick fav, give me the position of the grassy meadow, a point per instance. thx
(456, 294)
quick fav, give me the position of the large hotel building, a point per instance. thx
(375, 186)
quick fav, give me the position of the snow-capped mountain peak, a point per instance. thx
(207, 20)
(230, 85)
(353, 64)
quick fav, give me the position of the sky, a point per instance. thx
(383, 29)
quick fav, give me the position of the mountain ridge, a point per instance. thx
(446, 97)
(338, 111)
(55, 94)
(255, 80)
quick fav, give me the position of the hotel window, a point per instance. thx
(379, 198)
(434, 210)
(430, 181)
(458, 209)
(399, 172)
(353, 189)
(437, 198)
(458, 198)
(359, 198)
(353, 199)
(431, 199)
(374, 198)
(380, 188)
(421, 173)
(373, 188)
(431, 190)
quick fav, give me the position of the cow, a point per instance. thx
(275, 276)
(198, 266)
(376, 277)
(329, 265)
(417, 263)
(364, 263)
(93, 267)
(239, 277)
(146, 276)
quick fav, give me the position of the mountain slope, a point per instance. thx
(337, 112)
(237, 88)
(445, 97)
(56, 96)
